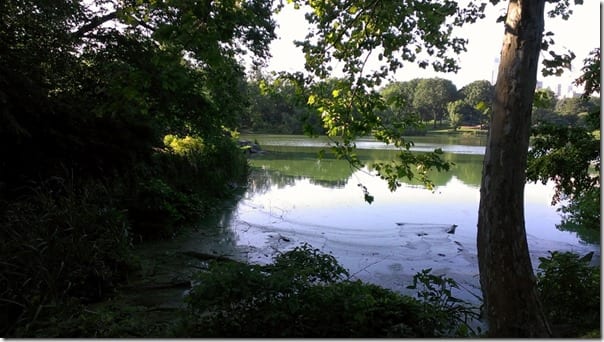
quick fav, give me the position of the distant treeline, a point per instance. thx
(278, 106)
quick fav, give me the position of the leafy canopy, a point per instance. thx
(352, 33)
(345, 35)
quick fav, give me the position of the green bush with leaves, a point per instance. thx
(209, 170)
(570, 293)
(110, 319)
(185, 145)
(182, 185)
(158, 209)
(304, 293)
(448, 315)
(582, 216)
(570, 156)
(62, 242)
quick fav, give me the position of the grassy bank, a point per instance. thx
(463, 130)
(68, 240)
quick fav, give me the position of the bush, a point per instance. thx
(61, 242)
(446, 314)
(304, 293)
(570, 293)
(184, 145)
(65, 243)
(159, 211)
(208, 170)
(111, 319)
(182, 185)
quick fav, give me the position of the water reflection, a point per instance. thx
(585, 234)
(285, 164)
(293, 197)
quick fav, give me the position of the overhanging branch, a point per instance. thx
(94, 23)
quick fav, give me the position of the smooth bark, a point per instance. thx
(506, 274)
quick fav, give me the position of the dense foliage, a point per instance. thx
(306, 293)
(570, 292)
(88, 90)
(276, 106)
(568, 152)
(56, 246)
(116, 123)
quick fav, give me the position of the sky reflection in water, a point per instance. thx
(294, 198)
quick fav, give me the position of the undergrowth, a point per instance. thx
(67, 241)
(570, 292)
(306, 293)
(63, 241)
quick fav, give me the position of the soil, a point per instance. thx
(151, 301)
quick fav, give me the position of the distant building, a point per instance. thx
(563, 89)
(566, 92)
(494, 70)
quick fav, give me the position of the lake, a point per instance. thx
(293, 197)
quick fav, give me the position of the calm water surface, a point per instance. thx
(294, 198)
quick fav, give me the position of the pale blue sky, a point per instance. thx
(581, 34)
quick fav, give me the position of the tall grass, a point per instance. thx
(182, 186)
(61, 241)
(66, 242)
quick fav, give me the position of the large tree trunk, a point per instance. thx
(506, 274)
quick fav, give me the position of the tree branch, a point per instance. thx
(94, 23)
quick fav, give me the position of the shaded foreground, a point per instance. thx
(183, 289)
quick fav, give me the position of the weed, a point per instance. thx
(570, 292)
(306, 293)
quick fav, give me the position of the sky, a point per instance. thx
(580, 33)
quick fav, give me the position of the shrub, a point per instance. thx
(158, 210)
(304, 293)
(61, 242)
(207, 171)
(111, 319)
(180, 188)
(448, 315)
(184, 145)
(570, 293)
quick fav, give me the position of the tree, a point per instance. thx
(398, 96)
(479, 95)
(545, 98)
(566, 155)
(572, 105)
(138, 69)
(87, 89)
(399, 110)
(275, 107)
(544, 104)
(590, 79)
(455, 116)
(353, 31)
(431, 98)
(476, 92)
(506, 273)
